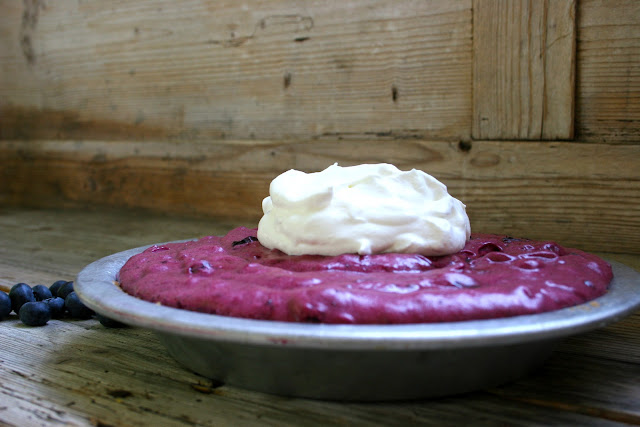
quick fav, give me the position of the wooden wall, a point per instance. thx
(528, 111)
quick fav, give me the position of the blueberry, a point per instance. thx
(20, 293)
(41, 292)
(55, 286)
(5, 305)
(35, 313)
(108, 322)
(76, 308)
(65, 290)
(56, 306)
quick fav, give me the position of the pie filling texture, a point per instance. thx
(493, 276)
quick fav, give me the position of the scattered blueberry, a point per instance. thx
(41, 292)
(20, 294)
(76, 308)
(56, 306)
(36, 305)
(65, 290)
(5, 305)
(55, 286)
(109, 323)
(35, 313)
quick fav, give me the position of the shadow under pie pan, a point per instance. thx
(355, 362)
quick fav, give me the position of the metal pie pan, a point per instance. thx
(355, 362)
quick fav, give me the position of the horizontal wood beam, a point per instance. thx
(258, 69)
(586, 195)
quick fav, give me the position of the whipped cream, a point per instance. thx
(365, 209)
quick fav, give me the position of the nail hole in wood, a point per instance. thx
(464, 146)
(287, 79)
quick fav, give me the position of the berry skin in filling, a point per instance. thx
(493, 276)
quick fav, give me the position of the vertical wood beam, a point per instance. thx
(523, 69)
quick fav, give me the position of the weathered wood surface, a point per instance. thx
(285, 69)
(608, 73)
(585, 195)
(79, 373)
(523, 69)
(209, 70)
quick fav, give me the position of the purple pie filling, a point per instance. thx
(493, 276)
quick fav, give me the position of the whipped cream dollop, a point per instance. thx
(365, 209)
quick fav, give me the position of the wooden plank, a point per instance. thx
(584, 195)
(523, 69)
(608, 84)
(618, 342)
(575, 383)
(74, 372)
(82, 374)
(201, 70)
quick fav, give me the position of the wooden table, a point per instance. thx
(73, 372)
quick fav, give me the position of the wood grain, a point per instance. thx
(202, 70)
(584, 195)
(78, 373)
(125, 377)
(523, 69)
(608, 82)
(620, 402)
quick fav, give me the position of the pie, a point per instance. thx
(493, 276)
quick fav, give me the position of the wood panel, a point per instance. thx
(587, 195)
(288, 69)
(201, 70)
(608, 83)
(523, 69)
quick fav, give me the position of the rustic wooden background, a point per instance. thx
(528, 111)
